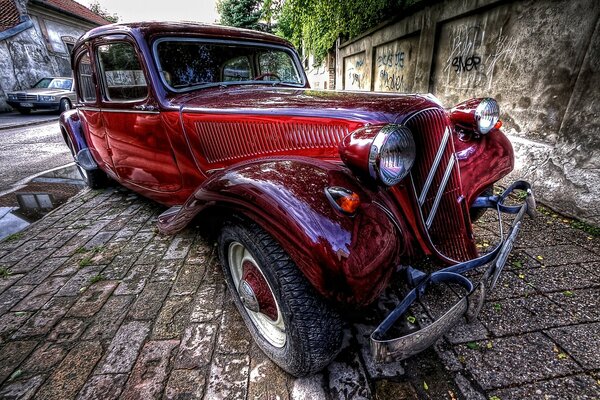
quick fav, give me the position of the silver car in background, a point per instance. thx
(51, 93)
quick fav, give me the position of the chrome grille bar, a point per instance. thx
(434, 167)
(440, 192)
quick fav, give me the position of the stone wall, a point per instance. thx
(539, 59)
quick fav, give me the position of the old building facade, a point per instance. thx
(36, 38)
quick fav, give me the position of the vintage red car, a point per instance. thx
(318, 196)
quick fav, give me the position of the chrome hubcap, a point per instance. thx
(256, 295)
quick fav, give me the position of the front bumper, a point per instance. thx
(398, 348)
(34, 105)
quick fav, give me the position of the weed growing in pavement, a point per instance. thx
(14, 236)
(593, 231)
(96, 278)
(5, 273)
(87, 260)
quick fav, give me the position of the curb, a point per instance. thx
(30, 123)
(22, 182)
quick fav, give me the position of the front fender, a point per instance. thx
(72, 128)
(346, 258)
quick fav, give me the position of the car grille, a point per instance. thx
(437, 186)
(226, 141)
(26, 97)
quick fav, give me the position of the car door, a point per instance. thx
(139, 146)
(89, 110)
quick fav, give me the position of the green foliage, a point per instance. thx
(5, 273)
(14, 236)
(314, 25)
(96, 9)
(240, 13)
(96, 278)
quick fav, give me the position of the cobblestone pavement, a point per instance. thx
(95, 304)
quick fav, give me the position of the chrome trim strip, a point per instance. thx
(434, 167)
(115, 110)
(440, 192)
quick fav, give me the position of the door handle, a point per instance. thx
(144, 107)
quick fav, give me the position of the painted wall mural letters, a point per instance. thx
(395, 65)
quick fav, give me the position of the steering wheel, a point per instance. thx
(262, 76)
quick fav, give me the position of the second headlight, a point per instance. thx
(392, 154)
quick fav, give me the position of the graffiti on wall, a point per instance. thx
(395, 66)
(356, 73)
(473, 54)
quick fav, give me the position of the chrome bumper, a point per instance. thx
(469, 305)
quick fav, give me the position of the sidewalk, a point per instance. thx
(9, 120)
(98, 305)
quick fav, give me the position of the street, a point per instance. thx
(29, 150)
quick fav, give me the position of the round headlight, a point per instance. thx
(486, 115)
(392, 154)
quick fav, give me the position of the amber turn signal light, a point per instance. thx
(498, 125)
(343, 199)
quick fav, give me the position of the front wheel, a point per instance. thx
(286, 317)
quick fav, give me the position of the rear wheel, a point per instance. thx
(94, 179)
(285, 316)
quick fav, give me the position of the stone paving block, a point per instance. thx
(80, 280)
(466, 388)
(71, 374)
(582, 342)
(228, 377)
(21, 389)
(208, 303)
(42, 321)
(44, 359)
(103, 387)
(67, 330)
(379, 370)
(188, 280)
(592, 268)
(149, 374)
(13, 295)
(32, 260)
(196, 346)
(509, 285)
(525, 314)
(178, 248)
(561, 254)
(165, 270)
(92, 300)
(123, 236)
(495, 367)
(41, 294)
(69, 248)
(10, 322)
(152, 252)
(233, 334)
(21, 251)
(385, 389)
(62, 237)
(561, 278)
(45, 269)
(7, 282)
(200, 253)
(185, 384)
(119, 266)
(347, 379)
(124, 348)
(12, 354)
(138, 243)
(149, 302)
(311, 387)
(106, 322)
(173, 317)
(579, 387)
(134, 281)
(267, 380)
(581, 304)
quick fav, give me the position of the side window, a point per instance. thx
(279, 64)
(122, 73)
(86, 88)
(236, 69)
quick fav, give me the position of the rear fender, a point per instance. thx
(71, 128)
(346, 258)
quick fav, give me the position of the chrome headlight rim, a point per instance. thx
(487, 115)
(382, 139)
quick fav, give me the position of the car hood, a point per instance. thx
(357, 106)
(43, 92)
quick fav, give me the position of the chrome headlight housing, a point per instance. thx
(486, 115)
(47, 98)
(12, 96)
(392, 154)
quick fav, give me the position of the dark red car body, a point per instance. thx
(214, 147)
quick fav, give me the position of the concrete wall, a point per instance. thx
(539, 59)
(38, 51)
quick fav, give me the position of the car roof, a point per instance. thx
(150, 29)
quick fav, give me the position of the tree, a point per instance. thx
(240, 13)
(315, 25)
(98, 10)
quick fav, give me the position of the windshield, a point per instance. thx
(186, 63)
(54, 83)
